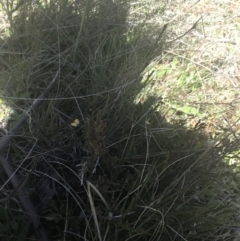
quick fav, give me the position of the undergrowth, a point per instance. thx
(101, 159)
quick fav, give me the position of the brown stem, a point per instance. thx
(24, 199)
(23, 196)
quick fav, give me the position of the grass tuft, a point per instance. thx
(126, 145)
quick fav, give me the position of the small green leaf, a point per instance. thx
(14, 115)
(190, 110)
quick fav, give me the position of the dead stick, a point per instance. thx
(4, 142)
(25, 200)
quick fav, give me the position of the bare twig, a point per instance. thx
(188, 31)
(7, 138)
(23, 197)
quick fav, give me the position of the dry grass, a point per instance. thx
(135, 138)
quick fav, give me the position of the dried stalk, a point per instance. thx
(23, 196)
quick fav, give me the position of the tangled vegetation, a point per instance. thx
(111, 151)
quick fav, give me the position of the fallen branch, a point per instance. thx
(23, 196)
(6, 139)
(25, 200)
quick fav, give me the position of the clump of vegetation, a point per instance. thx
(104, 157)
